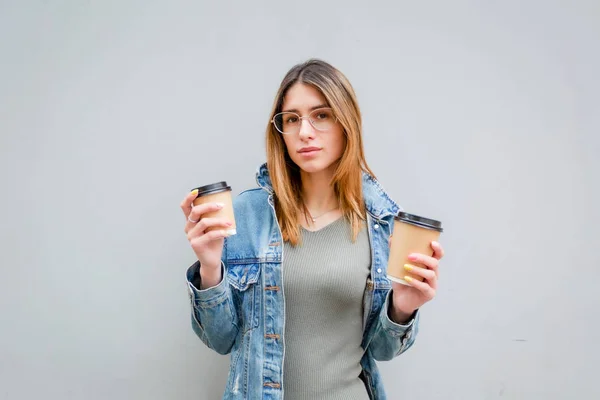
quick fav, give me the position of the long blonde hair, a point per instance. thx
(347, 179)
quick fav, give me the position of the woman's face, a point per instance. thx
(312, 150)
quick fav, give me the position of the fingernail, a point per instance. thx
(195, 192)
(408, 267)
(220, 205)
(228, 223)
(413, 257)
(408, 278)
(435, 243)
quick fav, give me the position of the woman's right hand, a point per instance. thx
(208, 246)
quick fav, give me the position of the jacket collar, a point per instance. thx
(377, 201)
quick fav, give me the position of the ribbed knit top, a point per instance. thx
(324, 282)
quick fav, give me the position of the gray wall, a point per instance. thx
(482, 114)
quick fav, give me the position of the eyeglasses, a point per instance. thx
(289, 123)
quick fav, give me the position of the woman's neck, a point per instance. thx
(317, 192)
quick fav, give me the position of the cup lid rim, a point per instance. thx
(418, 220)
(213, 187)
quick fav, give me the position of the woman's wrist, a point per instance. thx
(210, 276)
(397, 314)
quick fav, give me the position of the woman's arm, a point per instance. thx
(388, 339)
(214, 319)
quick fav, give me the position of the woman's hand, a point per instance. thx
(407, 299)
(207, 245)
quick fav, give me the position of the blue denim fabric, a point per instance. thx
(244, 315)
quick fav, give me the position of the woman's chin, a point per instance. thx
(314, 166)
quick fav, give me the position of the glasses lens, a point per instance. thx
(287, 122)
(322, 119)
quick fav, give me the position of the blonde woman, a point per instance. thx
(299, 296)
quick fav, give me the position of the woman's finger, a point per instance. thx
(208, 224)
(423, 287)
(428, 274)
(198, 242)
(201, 209)
(195, 215)
(186, 204)
(438, 251)
(427, 261)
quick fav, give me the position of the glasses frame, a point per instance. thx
(335, 120)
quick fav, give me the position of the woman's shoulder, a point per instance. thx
(251, 201)
(250, 196)
(377, 199)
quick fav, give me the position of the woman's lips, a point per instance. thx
(309, 151)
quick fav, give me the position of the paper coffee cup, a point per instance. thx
(217, 193)
(412, 234)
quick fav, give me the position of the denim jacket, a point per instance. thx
(245, 314)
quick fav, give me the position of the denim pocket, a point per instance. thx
(243, 279)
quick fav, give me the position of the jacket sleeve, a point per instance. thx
(214, 318)
(389, 339)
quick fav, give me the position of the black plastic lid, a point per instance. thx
(419, 221)
(212, 188)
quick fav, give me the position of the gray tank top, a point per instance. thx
(324, 282)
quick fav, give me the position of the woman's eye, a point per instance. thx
(323, 115)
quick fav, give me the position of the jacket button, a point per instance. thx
(376, 226)
(378, 270)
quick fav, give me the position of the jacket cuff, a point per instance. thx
(392, 327)
(206, 298)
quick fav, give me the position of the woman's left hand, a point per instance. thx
(407, 299)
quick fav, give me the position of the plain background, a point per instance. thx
(482, 114)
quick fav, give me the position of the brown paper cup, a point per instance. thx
(412, 234)
(217, 193)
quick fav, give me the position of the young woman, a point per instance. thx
(299, 296)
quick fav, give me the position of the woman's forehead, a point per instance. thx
(303, 97)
